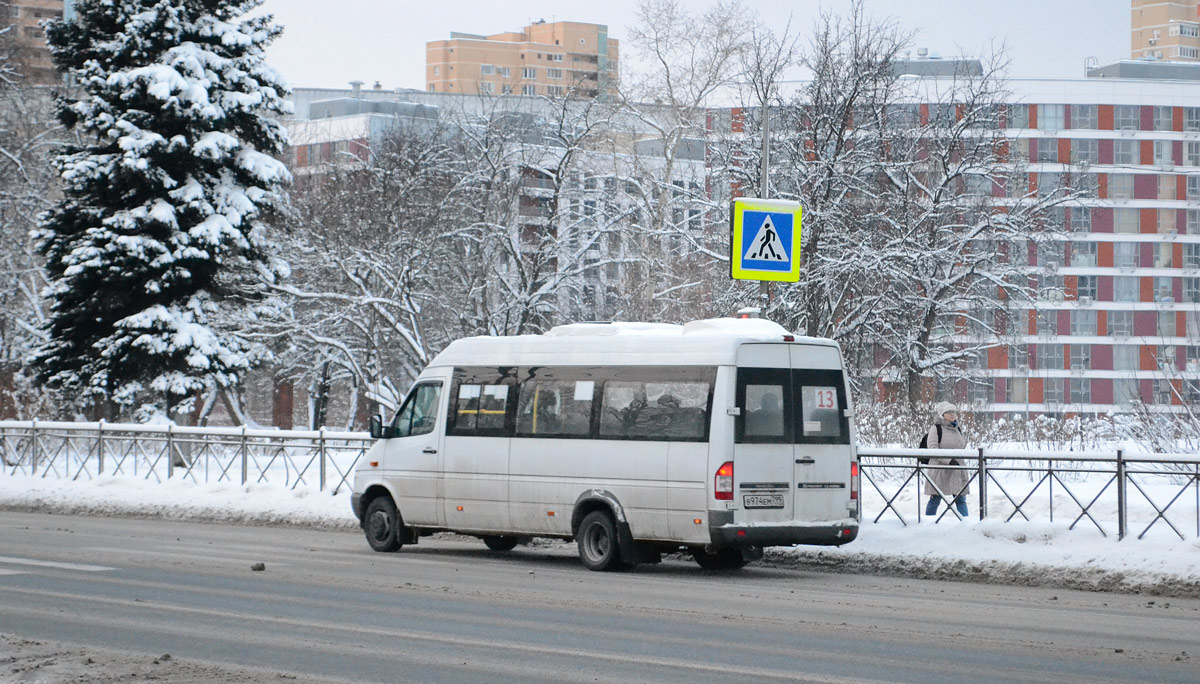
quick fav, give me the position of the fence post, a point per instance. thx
(33, 452)
(100, 447)
(170, 452)
(321, 456)
(982, 485)
(1121, 527)
(244, 465)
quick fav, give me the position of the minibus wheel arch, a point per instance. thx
(601, 500)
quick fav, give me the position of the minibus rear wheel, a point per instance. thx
(381, 522)
(724, 559)
(597, 539)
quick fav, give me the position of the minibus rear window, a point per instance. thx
(786, 406)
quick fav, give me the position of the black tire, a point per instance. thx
(381, 523)
(501, 543)
(725, 559)
(597, 540)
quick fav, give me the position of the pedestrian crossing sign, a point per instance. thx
(764, 240)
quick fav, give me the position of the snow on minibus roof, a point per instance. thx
(703, 342)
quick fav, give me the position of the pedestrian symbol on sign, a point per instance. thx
(766, 245)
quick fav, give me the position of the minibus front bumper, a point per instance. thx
(823, 533)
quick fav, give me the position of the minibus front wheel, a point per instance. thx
(381, 522)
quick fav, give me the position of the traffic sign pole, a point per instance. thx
(764, 286)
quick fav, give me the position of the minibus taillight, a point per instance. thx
(854, 480)
(723, 482)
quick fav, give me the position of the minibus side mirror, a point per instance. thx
(376, 426)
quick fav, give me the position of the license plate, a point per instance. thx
(762, 500)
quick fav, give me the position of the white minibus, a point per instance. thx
(720, 437)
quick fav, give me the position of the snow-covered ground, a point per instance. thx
(1035, 552)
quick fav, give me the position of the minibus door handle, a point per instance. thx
(429, 450)
(807, 460)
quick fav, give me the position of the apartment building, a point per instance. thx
(1117, 315)
(1165, 30)
(557, 59)
(26, 40)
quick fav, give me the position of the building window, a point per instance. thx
(1162, 118)
(1081, 219)
(554, 91)
(487, 69)
(528, 72)
(1192, 154)
(1047, 323)
(1120, 323)
(1085, 151)
(1083, 255)
(1125, 254)
(1162, 153)
(1083, 322)
(1162, 288)
(1191, 290)
(1047, 150)
(1084, 117)
(1126, 289)
(1051, 117)
(1087, 284)
(1125, 152)
(1191, 255)
(1049, 183)
(1050, 356)
(1125, 220)
(1120, 185)
(1125, 390)
(1080, 390)
(1191, 118)
(1186, 52)
(529, 90)
(554, 73)
(1018, 116)
(1052, 391)
(1193, 187)
(1127, 117)
(554, 58)
(1081, 356)
(1018, 357)
(1166, 323)
(1126, 357)
(485, 87)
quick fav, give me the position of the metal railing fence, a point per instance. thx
(1134, 493)
(296, 459)
(1103, 488)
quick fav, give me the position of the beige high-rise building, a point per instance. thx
(25, 40)
(559, 59)
(1165, 30)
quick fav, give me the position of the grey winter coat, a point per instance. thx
(952, 481)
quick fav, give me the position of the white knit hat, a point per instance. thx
(943, 407)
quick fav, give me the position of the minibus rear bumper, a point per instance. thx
(825, 533)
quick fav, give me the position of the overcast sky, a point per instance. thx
(327, 43)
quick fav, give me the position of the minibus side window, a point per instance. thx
(419, 414)
(555, 408)
(480, 401)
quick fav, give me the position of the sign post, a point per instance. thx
(765, 240)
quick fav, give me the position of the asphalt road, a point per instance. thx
(328, 608)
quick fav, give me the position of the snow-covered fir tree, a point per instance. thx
(159, 247)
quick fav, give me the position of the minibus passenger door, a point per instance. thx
(413, 452)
